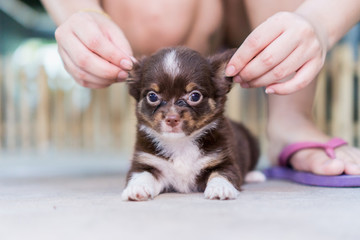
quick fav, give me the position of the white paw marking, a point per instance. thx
(141, 187)
(220, 188)
(255, 177)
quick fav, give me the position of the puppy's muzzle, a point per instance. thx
(172, 120)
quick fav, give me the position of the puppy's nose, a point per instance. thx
(172, 120)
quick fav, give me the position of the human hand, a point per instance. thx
(94, 50)
(283, 54)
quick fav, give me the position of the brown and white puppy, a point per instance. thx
(184, 142)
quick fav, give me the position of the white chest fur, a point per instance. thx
(185, 162)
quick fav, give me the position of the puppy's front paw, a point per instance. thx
(141, 187)
(221, 189)
(137, 193)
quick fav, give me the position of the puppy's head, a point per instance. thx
(178, 91)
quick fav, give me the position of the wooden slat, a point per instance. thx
(74, 120)
(250, 115)
(128, 131)
(10, 110)
(25, 113)
(88, 126)
(119, 107)
(42, 113)
(342, 64)
(261, 133)
(233, 105)
(101, 115)
(320, 101)
(58, 119)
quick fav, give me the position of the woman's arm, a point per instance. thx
(333, 17)
(287, 51)
(61, 10)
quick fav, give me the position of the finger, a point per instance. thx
(261, 37)
(97, 42)
(119, 40)
(271, 56)
(81, 76)
(301, 79)
(287, 67)
(88, 61)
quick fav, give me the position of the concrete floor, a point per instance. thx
(82, 201)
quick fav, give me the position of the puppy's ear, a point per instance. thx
(218, 64)
(134, 79)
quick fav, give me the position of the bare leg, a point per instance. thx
(290, 118)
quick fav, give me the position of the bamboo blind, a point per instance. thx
(56, 121)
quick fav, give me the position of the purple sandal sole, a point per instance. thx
(285, 172)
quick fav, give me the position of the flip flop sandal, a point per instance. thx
(285, 172)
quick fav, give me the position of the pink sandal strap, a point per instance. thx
(329, 148)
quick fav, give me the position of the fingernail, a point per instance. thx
(126, 64)
(134, 60)
(269, 91)
(237, 79)
(230, 70)
(122, 76)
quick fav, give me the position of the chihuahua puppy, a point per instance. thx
(184, 143)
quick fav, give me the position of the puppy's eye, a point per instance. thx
(195, 97)
(152, 98)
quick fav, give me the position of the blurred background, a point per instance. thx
(48, 123)
(47, 120)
